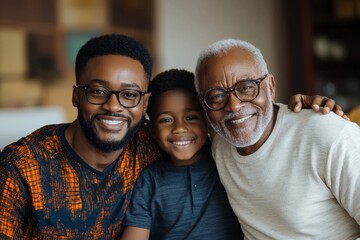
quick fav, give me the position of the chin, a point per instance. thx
(107, 145)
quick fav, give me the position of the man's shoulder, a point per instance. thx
(143, 131)
(35, 143)
(316, 125)
(143, 139)
(144, 146)
(40, 134)
(308, 116)
(220, 145)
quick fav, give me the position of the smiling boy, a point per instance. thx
(180, 196)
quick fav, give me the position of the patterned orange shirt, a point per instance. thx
(48, 192)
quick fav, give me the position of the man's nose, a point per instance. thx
(113, 104)
(234, 104)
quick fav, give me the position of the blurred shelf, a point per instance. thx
(327, 36)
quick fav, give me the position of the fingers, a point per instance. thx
(296, 102)
(345, 117)
(327, 105)
(317, 102)
(338, 110)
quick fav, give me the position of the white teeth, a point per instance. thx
(111, 122)
(237, 121)
(181, 143)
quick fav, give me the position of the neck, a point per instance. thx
(86, 150)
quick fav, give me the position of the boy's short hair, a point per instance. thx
(170, 80)
(112, 44)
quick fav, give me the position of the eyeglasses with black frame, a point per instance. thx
(97, 95)
(245, 90)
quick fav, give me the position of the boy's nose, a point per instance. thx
(180, 128)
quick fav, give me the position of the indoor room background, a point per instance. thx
(311, 47)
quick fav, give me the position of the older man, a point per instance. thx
(287, 175)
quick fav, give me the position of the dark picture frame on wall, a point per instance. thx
(131, 13)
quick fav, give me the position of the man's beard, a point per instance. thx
(106, 145)
(241, 142)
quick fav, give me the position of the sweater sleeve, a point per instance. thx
(343, 170)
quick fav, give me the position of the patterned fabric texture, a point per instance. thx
(48, 192)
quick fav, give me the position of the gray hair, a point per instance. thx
(222, 47)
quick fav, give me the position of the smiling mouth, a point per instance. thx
(240, 120)
(181, 143)
(111, 125)
(111, 122)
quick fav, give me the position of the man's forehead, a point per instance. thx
(114, 71)
(230, 65)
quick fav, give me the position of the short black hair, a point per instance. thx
(112, 44)
(170, 80)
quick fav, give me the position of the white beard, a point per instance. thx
(243, 141)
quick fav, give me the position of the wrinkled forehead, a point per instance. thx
(224, 69)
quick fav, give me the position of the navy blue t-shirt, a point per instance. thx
(182, 202)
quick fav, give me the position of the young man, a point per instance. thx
(287, 176)
(74, 181)
(179, 196)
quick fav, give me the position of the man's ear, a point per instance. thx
(146, 101)
(272, 85)
(75, 97)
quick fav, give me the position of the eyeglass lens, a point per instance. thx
(244, 90)
(127, 97)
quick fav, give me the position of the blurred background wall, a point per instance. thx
(311, 46)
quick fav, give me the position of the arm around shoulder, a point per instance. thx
(316, 103)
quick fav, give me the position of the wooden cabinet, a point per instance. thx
(324, 49)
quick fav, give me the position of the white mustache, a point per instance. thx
(239, 114)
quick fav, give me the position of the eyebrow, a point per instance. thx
(106, 83)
